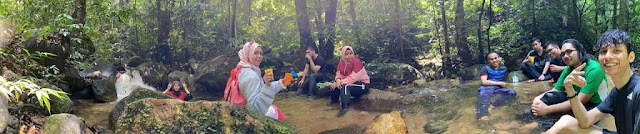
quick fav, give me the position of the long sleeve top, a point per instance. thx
(353, 77)
(259, 96)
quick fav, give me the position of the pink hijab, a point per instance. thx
(246, 54)
(347, 67)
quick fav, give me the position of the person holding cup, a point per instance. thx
(313, 72)
(536, 64)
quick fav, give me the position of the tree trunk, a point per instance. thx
(461, 34)
(615, 14)
(398, 29)
(80, 11)
(302, 20)
(320, 26)
(330, 20)
(447, 62)
(233, 20)
(164, 27)
(624, 15)
(490, 9)
(480, 48)
(352, 13)
(247, 11)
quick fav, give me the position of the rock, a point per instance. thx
(519, 74)
(137, 94)
(59, 105)
(212, 74)
(389, 123)
(104, 89)
(471, 72)
(135, 61)
(178, 76)
(384, 74)
(4, 114)
(175, 116)
(64, 124)
(54, 43)
(436, 127)
(152, 73)
(379, 100)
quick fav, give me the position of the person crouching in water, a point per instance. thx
(351, 80)
(174, 90)
(491, 77)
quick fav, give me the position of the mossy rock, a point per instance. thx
(4, 114)
(384, 74)
(175, 116)
(181, 76)
(471, 72)
(153, 73)
(135, 61)
(136, 94)
(64, 124)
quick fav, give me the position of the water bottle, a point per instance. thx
(322, 85)
(514, 78)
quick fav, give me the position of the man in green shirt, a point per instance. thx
(574, 55)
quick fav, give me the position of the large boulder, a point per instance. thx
(379, 100)
(175, 116)
(515, 74)
(137, 94)
(135, 61)
(389, 123)
(104, 89)
(471, 72)
(181, 76)
(65, 124)
(212, 74)
(4, 114)
(384, 74)
(152, 73)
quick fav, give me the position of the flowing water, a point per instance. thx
(442, 111)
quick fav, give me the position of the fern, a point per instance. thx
(10, 89)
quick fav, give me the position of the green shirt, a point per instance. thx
(596, 81)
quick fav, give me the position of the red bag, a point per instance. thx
(231, 92)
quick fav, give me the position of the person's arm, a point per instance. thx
(526, 59)
(304, 73)
(546, 68)
(259, 96)
(486, 82)
(566, 106)
(168, 88)
(315, 68)
(585, 119)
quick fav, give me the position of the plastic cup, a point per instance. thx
(531, 58)
(287, 78)
(268, 71)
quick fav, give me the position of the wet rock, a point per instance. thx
(54, 43)
(152, 73)
(175, 116)
(519, 74)
(379, 100)
(471, 72)
(102, 128)
(64, 124)
(135, 61)
(4, 114)
(389, 123)
(436, 127)
(104, 89)
(137, 94)
(384, 74)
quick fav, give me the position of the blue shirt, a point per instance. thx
(493, 74)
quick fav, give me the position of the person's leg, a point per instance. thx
(504, 95)
(529, 71)
(482, 102)
(305, 85)
(313, 78)
(334, 95)
(569, 125)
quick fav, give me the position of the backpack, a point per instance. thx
(231, 92)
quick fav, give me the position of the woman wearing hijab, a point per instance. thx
(174, 90)
(255, 93)
(351, 79)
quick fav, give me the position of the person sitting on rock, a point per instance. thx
(174, 90)
(315, 71)
(247, 87)
(574, 55)
(351, 80)
(491, 77)
(556, 64)
(536, 64)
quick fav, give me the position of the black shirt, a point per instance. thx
(319, 61)
(557, 62)
(539, 60)
(624, 105)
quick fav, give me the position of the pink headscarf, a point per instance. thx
(246, 54)
(347, 67)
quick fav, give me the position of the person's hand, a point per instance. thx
(539, 108)
(308, 57)
(541, 77)
(284, 83)
(185, 87)
(575, 78)
(526, 60)
(168, 86)
(555, 68)
(300, 82)
(502, 84)
(267, 78)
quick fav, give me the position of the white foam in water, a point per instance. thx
(125, 84)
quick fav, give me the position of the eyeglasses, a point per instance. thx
(568, 51)
(549, 50)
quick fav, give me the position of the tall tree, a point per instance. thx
(330, 20)
(247, 11)
(624, 14)
(234, 32)
(480, 48)
(302, 20)
(615, 14)
(164, 27)
(490, 10)
(80, 11)
(397, 39)
(445, 27)
(320, 25)
(461, 34)
(354, 21)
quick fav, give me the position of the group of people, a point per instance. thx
(249, 88)
(579, 81)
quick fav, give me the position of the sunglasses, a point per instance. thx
(568, 51)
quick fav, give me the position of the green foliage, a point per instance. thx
(14, 89)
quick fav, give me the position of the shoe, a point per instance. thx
(343, 111)
(299, 93)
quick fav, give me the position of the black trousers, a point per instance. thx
(347, 91)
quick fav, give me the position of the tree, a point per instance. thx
(164, 27)
(302, 20)
(624, 15)
(480, 49)
(330, 20)
(80, 11)
(461, 34)
(354, 21)
(398, 29)
(445, 27)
